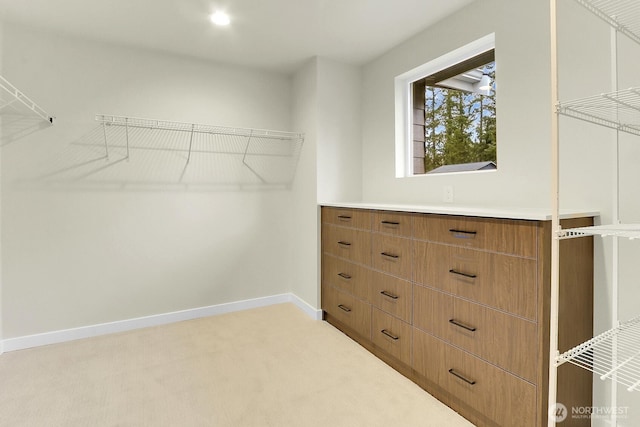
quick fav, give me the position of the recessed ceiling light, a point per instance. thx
(220, 18)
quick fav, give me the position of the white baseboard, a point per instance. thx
(315, 314)
(55, 337)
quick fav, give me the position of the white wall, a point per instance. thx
(304, 256)
(86, 242)
(522, 57)
(77, 254)
(326, 107)
(339, 132)
(1, 329)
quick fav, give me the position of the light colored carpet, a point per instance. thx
(271, 366)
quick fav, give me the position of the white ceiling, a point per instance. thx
(272, 34)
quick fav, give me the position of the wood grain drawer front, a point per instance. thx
(347, 309)
(398, 224)
(349, 243)
(496, 235)
(500, 396)
(355, 218)
(346, 276)
(499, 338)
(392, 295)
(501, 281)
(391, 254)
(391, 335)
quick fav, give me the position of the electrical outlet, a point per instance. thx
(447, 195)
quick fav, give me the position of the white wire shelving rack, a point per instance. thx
(617, 110)
(622, 15)
(614, 354)
(14, 101)
(628, 231)
(270, 155)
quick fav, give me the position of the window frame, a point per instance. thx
(404, 99)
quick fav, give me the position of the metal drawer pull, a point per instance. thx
(389, 255)
(459, 273)
(390, 335)
(344, 308)
(344, 217)
(462, 325)
(470, 233)
(344, 243)
(344, 276)
(390, 295)
(390, 223)
(462, 377)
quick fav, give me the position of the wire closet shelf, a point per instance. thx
(136, 122)
(617, 110)
(271, 156)
(614, 354)
(623, 15)
(628, 231)
(13, 101)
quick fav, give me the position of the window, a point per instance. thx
(454, 126)
(446, 113)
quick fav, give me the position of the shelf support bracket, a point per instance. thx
(190, 143)
(244, 158)
(126, 130)
(106, 146)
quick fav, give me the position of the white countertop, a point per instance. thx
(480, 211)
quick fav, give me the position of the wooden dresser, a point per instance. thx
(460, 305)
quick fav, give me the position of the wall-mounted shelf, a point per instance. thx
(629, 231)
(209, 154)
(136, 122)
(13, 101)
(623, 15)
(617, 110)
(614, 353)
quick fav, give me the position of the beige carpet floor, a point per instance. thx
(271, 366)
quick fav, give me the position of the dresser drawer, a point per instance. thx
(346, 276)
(395, 223)
(392, 295)
(391, 254)
(349, 243)
(347, 309)
(355, 218)
(502, 397)
(499, 338)
(391, 335)
(496, 235)
(501, 281)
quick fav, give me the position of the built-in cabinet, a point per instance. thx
(459, 304)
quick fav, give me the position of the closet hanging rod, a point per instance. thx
(24, 100)
(136, 122)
